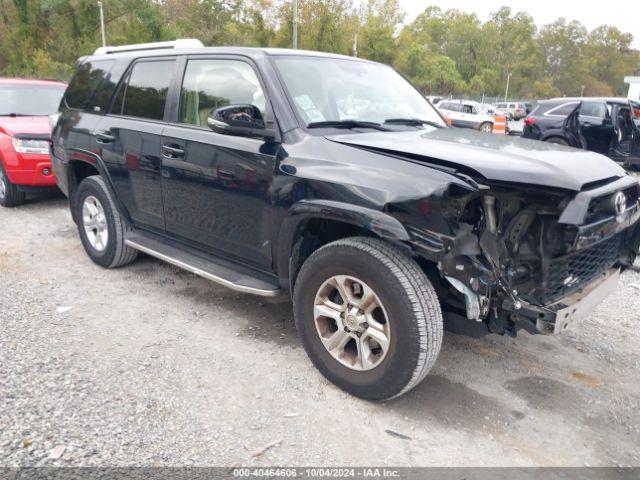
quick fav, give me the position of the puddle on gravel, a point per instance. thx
(545, 393)
(453, 404)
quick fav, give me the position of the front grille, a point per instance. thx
(572, 272)
(603, 206)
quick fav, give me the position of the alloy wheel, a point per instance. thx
(352, 323)
(95, 224)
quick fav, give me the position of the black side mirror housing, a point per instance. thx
(239, 120)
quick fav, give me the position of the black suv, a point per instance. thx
(332, 180)
(602, 125)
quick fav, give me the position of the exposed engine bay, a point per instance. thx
(524, 258)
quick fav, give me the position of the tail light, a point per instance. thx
(529, 120)
(447, 120)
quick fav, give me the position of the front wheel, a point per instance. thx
(100, 225)
(10, 196)
(368, 317)
(486, 127)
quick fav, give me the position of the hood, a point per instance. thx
(25, 125)
(493, 157)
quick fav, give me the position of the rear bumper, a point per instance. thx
(60, 171)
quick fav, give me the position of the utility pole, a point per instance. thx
(506, 92)
(295, 24)
(355, 45)
(104, 37)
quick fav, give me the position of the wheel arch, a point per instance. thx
(83, 164)
(312, 224)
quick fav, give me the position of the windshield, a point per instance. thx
(335, 89)
(29, 99)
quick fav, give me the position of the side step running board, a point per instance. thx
(238, 278)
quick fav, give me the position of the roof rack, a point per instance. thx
(179, 43)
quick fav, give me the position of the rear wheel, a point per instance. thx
(100, 225)
(10, 196)
(368, 317)
(486, 127)
(557, 141)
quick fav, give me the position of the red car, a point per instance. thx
(24, 136)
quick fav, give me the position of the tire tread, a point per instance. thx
(420, 292)
(124, 254)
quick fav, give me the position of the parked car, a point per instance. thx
(488, 108)
(602, 125)
(467, 114)
(24, 136)
(516, 110)
(332, 180)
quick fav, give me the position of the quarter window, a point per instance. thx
(85, 82)
(210, 84)
(145, 92)
(563, 110)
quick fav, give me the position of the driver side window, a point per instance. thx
(210, 84)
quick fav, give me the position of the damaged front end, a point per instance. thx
(529, 257)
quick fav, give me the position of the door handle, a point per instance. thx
(169, 151)
(104, 137)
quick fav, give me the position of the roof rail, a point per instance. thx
(179, 43)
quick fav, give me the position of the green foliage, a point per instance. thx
(441, 51)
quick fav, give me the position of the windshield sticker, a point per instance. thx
(309, 109)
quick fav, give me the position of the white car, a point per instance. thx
(467, 114)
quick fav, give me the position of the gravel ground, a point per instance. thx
(149, 365)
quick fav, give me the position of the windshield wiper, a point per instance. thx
(14, 115)
(412, 121)
(348, 124)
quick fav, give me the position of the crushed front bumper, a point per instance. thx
(569, 311)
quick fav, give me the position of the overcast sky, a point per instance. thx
(624, 15)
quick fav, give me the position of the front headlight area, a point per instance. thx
(30, 146)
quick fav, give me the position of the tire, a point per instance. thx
(10, 196)
(110, 251)
(558, 141)
(486, 127)
(409, 307)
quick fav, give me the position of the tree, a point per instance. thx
(429, 71)
(442, 51)
(323, 25)
(376, 37)
(562, 44)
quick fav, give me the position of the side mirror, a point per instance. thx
(240, 120)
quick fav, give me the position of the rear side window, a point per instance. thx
(144, 92)
(563, 110)
(84, 83)
(593, 109)
(444, 105)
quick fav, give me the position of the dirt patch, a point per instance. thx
(452, 404)
(586, 379)
(545, 393)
